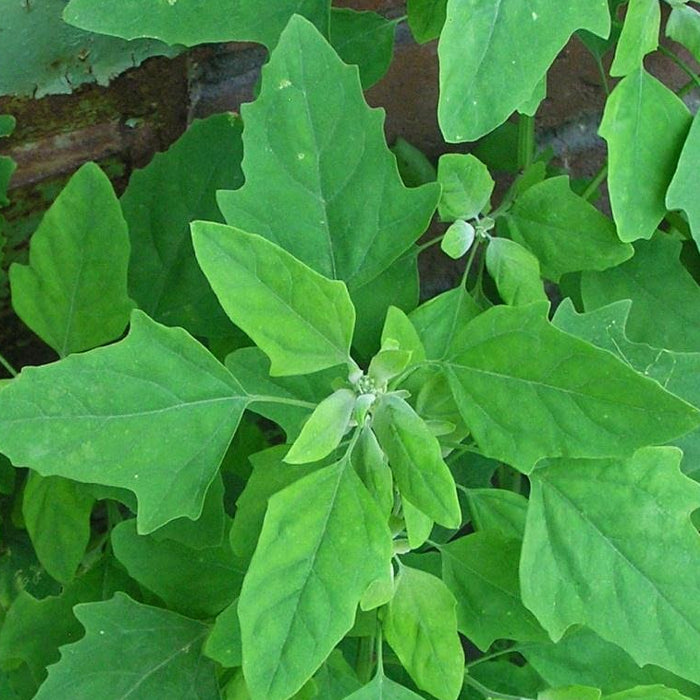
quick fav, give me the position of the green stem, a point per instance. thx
(494, 655)
(470, 262)
(526, 141)
(595, 183)
(430, 243)
(488, 693)
(681, 64)
(8, 366)
(281, 399)
(365, 659)
(603, 75)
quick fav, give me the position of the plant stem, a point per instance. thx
(526, 141)
(494, 655)
(595, 183)
(681, 64)
(488, 693)
(430, 243)
(281, 399)
(365, 659)
(470, 262)
(603, 75)
(8, 366)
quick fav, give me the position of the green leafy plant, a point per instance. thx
(290, 479)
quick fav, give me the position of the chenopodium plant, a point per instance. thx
(367, 540)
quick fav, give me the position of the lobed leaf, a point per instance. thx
(73, 292)
(638, 541)
(153, 413)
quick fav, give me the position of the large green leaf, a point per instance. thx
(665, 298)
(416, 461)
(167, 569)
(420, 624)
(302, 320)
(132, 650)
(224, 641)
(640, 36)
(322, 543)
(583, 657)
(481, 570)
(191, 22)
(564, 231)
(320, 180)
(647, 692)
(383, 688)
(682, 192)
(645, 126)
(677, 372)
(174, 189)
(683, 25)
(493, 53)
(56, 513)
(621, 563)
(527, 391)
(73, 292)
(153, 413)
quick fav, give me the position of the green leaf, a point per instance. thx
(73, 292)
(458, 239)
(654, 279)
(398, 327)
(682, 192)
(325, 428)
(648, 692)
(564, 231)
(527, 391)
(371, 466)
(640, 36)
(224, 641)
(56, 513)
(166, 568)
(416, 461)
(498, 510)
(270, 475)
(584, 657)
(161, 200)
(466, 186)
(572, 692)
(426, 18)
(683, 26)
(192, 22)
(339, 208)
(420, 625)
(678, 373)
(336, 679)
(323, 542)
(415, 167)
(365, 39)
(132, 649)
(635, 591)
(493, 53)
(256, 280)
(418, 524)
(645, 126)
(516, 272)
(383, 688)
(481, 570)
(153, 413)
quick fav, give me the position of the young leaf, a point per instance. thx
(371, 466)
(498, 510)
(325, 428)
(420, 625)
(224, 641)
(416, 461)
(682, 192)
(323, 542)
(383, 688)
(683, 26)
(131, 648)
(640, 36)
(635, 591)
(493, 53)
(73, 292)
(365, 39)
(190, 23)
(527, 391)
(161, 200)
(516, 272)
(398, 327)
(466, 186)
(257, 281)
(458, 239)
(653, 279)
(418, 524)
(56, 513)
(426, 18)
(645, 126)
(481, 570)
(166, 568)
(340, 209)
(415, 167)
(564, 231)
(153, 413)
